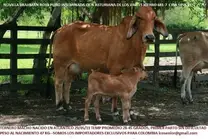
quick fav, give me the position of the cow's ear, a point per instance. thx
(160, 27)
(132, 27)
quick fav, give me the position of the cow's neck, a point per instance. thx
(139, 47)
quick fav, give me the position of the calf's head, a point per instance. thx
(140, 73)
(145, 21)
(136, 72)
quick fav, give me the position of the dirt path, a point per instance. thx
(155, 108)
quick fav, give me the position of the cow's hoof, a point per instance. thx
(86, 119)
(131, 112)
(99, 120)
(61, 108)
(67, 107)
(116, 113)
(190, 101)
(134, 116)
(129, 120)
(125, 122)
(116, 116)
(184, 101)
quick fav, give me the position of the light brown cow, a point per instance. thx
(109, 48)
(193, 48)
(123, 85)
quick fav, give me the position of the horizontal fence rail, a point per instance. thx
(14, 41)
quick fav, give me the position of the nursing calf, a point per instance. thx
(193, 48)
(123, 86)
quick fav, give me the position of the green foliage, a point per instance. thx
(44, 79)
(83, 91)
(84, 76)
(184, 19)
(4, 79)
(30, 13)
(39, 20)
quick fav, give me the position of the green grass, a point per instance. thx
(22, 49)
(163, 48)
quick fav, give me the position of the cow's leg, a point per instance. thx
(67, 86)
(59, 93)
(59, 83)
(186, 73)
(183, 90)
(97, 108)
(189, 87)
(184, 79)
(87, 105)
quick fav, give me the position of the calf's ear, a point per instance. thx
(132, 27)
(160, 27)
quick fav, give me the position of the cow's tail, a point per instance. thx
(176, 61)
(49, 65)
(50, 52)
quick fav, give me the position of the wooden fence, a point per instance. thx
(14, 71)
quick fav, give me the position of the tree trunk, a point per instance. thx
(97, 13)
(41, 62)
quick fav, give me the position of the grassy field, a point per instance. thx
(34, 49)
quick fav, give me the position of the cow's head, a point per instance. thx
(145, 20)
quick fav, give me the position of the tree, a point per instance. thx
(12, 18)
(54, 21)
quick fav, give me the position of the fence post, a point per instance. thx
(156, 62)
(13, 59)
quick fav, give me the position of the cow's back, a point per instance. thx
(85, 43)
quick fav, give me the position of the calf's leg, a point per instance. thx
(97, 108)
(87, 105)
(125, 109)
(130, 111)
(114, 105)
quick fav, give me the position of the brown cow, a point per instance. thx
(123, 85)
(193, 48)
(109, 48)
